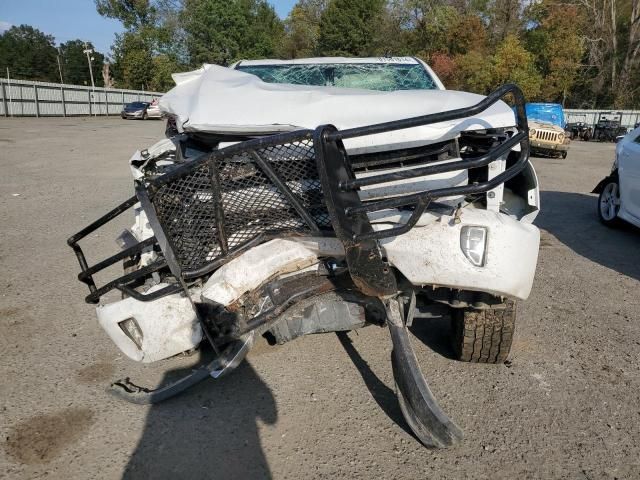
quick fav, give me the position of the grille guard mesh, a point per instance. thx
(228, 199)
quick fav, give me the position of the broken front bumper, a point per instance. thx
(431, 253)
(134, 115)
(549, 147)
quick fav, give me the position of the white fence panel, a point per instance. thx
(628, 118)
(26, 98)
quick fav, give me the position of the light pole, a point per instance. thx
(59, 66)
(64, 110)
(89, 51)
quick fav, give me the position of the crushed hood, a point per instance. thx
(224, 101)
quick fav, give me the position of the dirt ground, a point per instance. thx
(567, 405)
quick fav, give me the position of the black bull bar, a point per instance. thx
(208, 210)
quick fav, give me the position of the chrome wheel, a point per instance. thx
(609, 202)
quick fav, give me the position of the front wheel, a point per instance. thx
(609, 203)
(563, 154)
(483, 336)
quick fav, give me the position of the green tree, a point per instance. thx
(473, 73)
(134, 14)
(556, 42)
(349, 27)
(214, 30)
(430, 23)
(467, 33)
(29, 54)
(75, 68)
(153, 46)
(222, 31)
(302, 29)
(504, 18)
(265, 29)
(133, 61)
(512, 63)
(163, 67)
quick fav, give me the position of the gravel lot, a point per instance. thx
(566, 406)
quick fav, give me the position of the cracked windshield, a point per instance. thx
(370, 76)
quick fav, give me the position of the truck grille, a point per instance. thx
(547, 136)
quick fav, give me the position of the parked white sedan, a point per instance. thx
(153, 110)
(620, 191)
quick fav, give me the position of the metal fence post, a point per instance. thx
(106, 101)
(35, 96)
(89, 102)
(10, 94)
(4, 100)
(122, 100)
(64, 107)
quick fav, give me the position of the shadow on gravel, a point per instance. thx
(383, 395)
(573, 219)
(436, 334)
(209, 431)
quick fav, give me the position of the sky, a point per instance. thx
(71, 19)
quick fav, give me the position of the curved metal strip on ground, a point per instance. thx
(419, 407)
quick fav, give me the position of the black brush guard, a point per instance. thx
(209, 210)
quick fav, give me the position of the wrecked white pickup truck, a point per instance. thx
(324, 195)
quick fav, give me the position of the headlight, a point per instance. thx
(473, 243)
(532, 132)
(132, 330)
(560, 137)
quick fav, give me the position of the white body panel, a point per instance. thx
(153, 111)
(168, 325)
(628, 161)
(430, 254)
(414, 185)
(268, 260)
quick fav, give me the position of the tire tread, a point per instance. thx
(484, 336)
